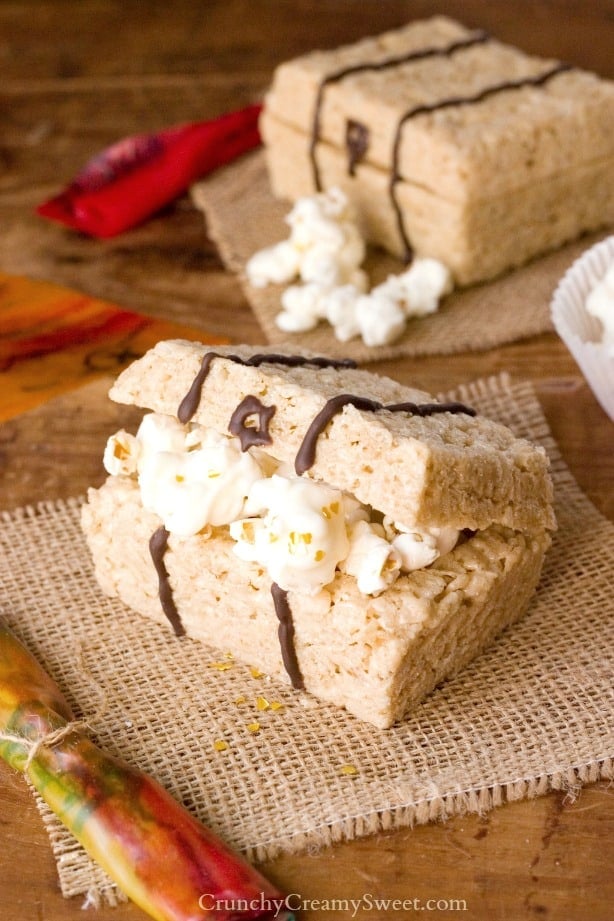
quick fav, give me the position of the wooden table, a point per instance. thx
(78, 75)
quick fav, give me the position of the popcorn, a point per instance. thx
(600, 304)
(582, 310)
(300, 536)
(276, 264)
(418, 548)
(158, 432)
(189, 476)
(380, 318)
(340, 311)
(325, 252)
(302, 307)
(420, 288)
(121, 454)
(301, 531)
(372, 559)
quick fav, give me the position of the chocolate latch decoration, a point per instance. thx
(250, 435)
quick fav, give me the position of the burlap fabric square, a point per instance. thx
(533, 713)
(242, 217)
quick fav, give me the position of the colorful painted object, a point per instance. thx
(169, 864)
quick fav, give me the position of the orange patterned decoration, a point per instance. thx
(54, 339)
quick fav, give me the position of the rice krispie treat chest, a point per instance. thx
(448, 143)
(350, 535)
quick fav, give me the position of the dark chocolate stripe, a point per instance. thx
(191, 400)
(250, 435)
(476, 38)
(158, 544)
(306, 454)
(507, 86)
(286, 635)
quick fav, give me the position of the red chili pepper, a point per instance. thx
(134, 178)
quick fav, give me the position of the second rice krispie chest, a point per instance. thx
(448, 143)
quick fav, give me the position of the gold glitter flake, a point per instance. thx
(240, 699)
(221, 666)
(220, 746)
(262, 703)
(255, 672)
(276, 705)
(254, 727)
(349, 770)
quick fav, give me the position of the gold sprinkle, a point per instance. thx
(318, 555)
(179, 478)
(228, 655)
(247, 529)
(220, 746)
(349, 770)
(334, 507)
(254, 727)
(276, 705)
(262, 703)
(240, 699)
(120, 451)
(221, 666)
(255, 672)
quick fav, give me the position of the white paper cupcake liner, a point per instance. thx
(580, 331)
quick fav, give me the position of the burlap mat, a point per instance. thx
(533, 713)
(242, 217)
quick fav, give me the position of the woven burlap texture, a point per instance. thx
(242, 217)
(533, 713)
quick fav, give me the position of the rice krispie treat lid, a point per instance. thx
(394, 448)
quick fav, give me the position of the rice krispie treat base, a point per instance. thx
(376, 657)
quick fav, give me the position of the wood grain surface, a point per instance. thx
(79, 74)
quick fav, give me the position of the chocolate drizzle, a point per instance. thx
(448, 50)
(476, 38)
(158, 544)
(305, 458)
(250, 435)
(356, 143)
(504, 87)
(191, 400)
(286, 635)
(306, 454)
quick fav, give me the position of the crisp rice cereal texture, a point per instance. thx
(377, 657)
(483, 187)
(441, 470)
